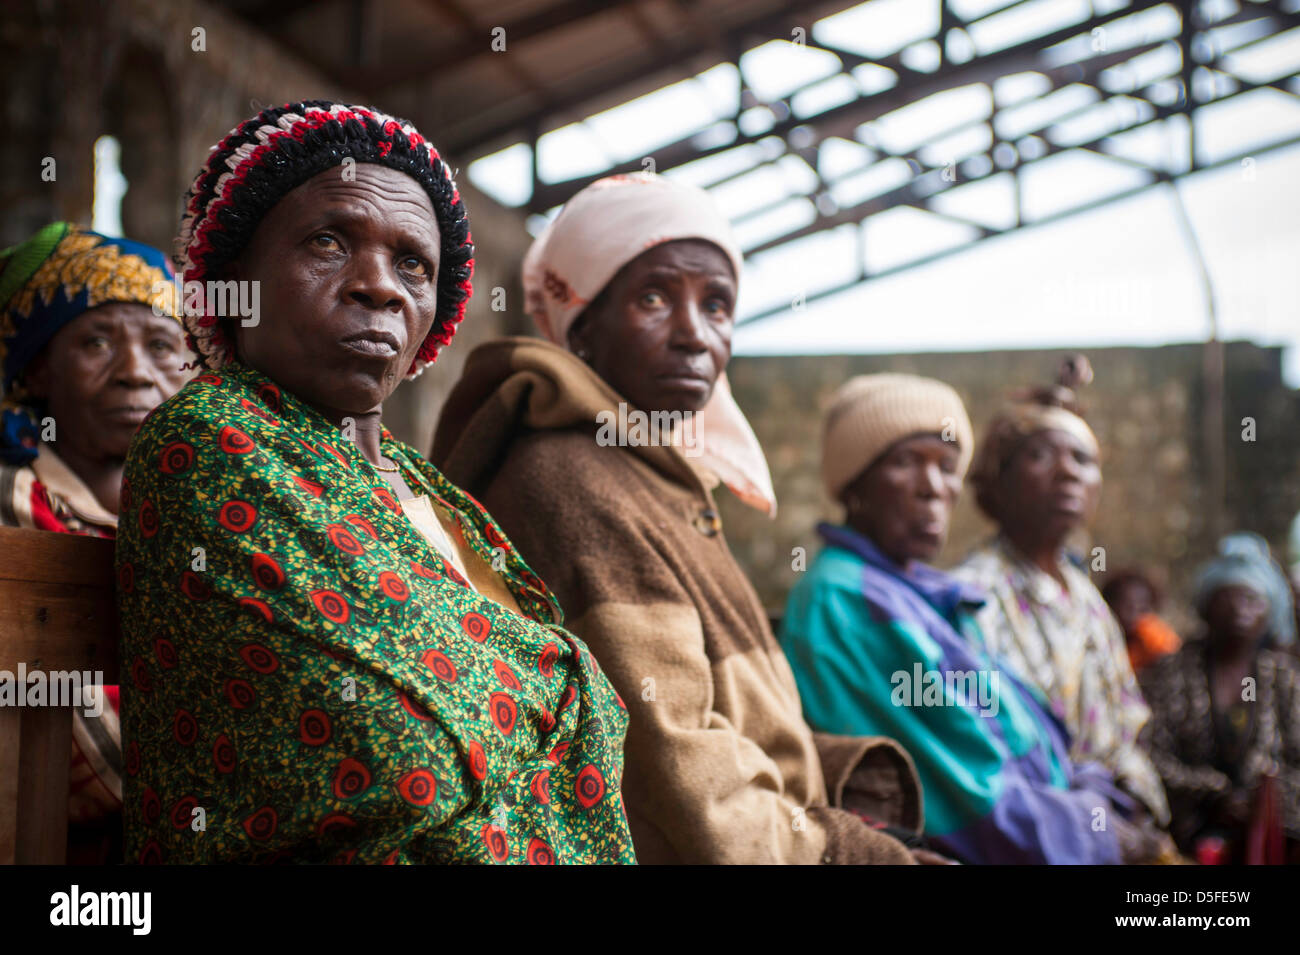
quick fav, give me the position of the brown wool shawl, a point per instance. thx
(720, 766)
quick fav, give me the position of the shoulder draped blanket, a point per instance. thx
(305, 680)
(720, 766)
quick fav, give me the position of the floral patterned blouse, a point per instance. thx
(305, 679)
(1067, 643)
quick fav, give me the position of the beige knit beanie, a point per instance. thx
(871, 412)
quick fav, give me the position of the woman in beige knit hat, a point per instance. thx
(915, 420)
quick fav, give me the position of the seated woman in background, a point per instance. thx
(635, 284)
(334, 653)
(1135, 599)
(1225, 716)
(882, 643)
(1037, 475)
(90, 345)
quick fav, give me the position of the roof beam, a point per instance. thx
(789, 14)
(904, 195)
(530, 82)
(810, 297)
(1022, 56)
(525, 28)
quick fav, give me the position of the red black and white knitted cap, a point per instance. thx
(276, 151)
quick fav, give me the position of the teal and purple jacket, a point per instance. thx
(881, 650)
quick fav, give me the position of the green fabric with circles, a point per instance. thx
(305, 679)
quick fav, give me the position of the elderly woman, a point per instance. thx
(334, 653)
(90, 345)
(1225, 723)
(1037, 475)
(634, 284)
(882, 643)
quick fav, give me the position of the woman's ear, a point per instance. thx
(36, 379)
(578, 337)
(234, 329)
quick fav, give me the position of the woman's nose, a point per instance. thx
(688, 325)
(133, 367)
(372, 282)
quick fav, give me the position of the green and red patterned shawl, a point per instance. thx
(303, 667)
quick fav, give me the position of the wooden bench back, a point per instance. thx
(56, 613)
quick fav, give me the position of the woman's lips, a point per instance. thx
(127, 415)
(1068, 505)
(688, 381)
(372, 344)
(371, 348)
(930, 531)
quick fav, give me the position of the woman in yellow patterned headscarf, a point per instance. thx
(90, 344)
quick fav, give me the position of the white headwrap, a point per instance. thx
(600, 230)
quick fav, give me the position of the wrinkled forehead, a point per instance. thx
(1054, 437)
(697, 258)
(359, 192)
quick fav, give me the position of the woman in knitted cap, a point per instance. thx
(634, 287)
(1225, 714)
(334, 653)
(1037, 475)
(90, 344)
(882, 643)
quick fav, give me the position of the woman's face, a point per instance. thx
(905, 498)
(1238, 616)
(660, 331)
(349, 275)
(1050, 486)
(1132, 600)
(104, 371)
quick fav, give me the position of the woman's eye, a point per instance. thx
(415, 264)
(161, 344)
(717, 307)
(97, 341)
(324, 241)
(653, 299)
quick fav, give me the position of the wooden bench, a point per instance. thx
(56, 613)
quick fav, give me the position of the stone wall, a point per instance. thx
(79, 69)
(1146, 406)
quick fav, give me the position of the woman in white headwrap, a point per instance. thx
(599, 450)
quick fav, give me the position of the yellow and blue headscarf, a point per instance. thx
(46, 282)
